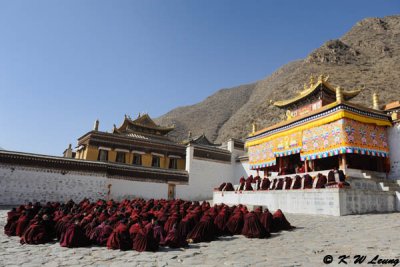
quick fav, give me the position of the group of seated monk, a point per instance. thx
(137, 224)
(336, 178)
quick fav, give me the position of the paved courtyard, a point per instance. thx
(316, 237)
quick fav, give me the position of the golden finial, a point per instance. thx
(288, 114)
(305, 86)
(339, 95)
(311, 80)
(375, 101)
(321, 78)
(254, 126)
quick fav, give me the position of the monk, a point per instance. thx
(204, 231)
(144, 240)
(266, 220)
(39, 232)
(252, 227)
(12, 218)
(308, 182)
(280, 222)
(248, 186)
(321, 181)
(74, 236)
(288, 184)
(174, 239)
(221, 187)
(279, 184)
(235, 223)
(265, 184)
(119, 238)
(229, 187)
(297, 182)
(22, 223)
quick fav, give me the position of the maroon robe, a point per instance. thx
(74, 237)
(308, 182)
(252, 227)
(229, 187)
(265, 184)
(144, 240)
(266, 220)
(12, 218)
(22, 224)
(235, 223)
(119, 238)
(204, 231)
(174, 239)
(288, 181)
(297, 182)
(321, 182)
(37, 233)
(280, 222)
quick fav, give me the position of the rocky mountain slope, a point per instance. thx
(367, 57)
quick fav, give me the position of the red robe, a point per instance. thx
(74, 237)
(119, 238)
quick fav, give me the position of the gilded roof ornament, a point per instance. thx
(312, 80)
(307, 91)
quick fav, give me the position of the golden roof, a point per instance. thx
(308, 90)
(142, 122)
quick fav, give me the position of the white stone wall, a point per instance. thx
(327, 201)
(121, 189)
(19, 185)
(394, 145)
(204, 176)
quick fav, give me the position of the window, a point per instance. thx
(120, 157)
(173, 163)
(103, 155)
(137, 159)
(155, 162)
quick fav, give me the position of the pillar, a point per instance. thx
(343, 163)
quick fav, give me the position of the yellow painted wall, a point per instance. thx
(91, 153)
(146, 160)
(128, 158)
(112, 155)
(164, 162)
(181, 164)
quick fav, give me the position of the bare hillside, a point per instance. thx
(368, 57)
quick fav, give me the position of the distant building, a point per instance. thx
(139, 142)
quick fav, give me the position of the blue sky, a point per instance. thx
(64, 64)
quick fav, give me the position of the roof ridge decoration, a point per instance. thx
(142, 121)
(307, 90)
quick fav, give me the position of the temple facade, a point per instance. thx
(323, 131)
(138, 142)
(329, 156)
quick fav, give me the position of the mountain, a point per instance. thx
(367, 57)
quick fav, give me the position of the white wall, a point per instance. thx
(394, 145)
(19, 185)
(327, 201)
(121, 189)
(204, 176)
